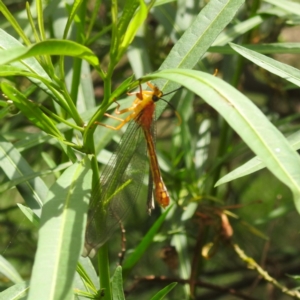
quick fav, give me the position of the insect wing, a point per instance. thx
(118, 189)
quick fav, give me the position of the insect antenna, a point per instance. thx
(172, 106)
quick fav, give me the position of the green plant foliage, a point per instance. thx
(231, 166)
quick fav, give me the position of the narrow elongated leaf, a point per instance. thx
(29, 214)
(162, 2)
(238, 30)
(16, 292)
(127, 15)
(120, 27)
(134, 25)
(13, 182)
(256, 164)
(242, 115)
(14, 71)
(75, 7)
(161, 294)
(85, 97)
(253, 165)
(212, 19)
(9, 16)
(31, 111)
(275, 48)
(180, 242)
(50, 47)
(145, 243)
(117, 285)
(61, 233)
(15, 166)
(282, 70)
(8, 42)
(31, 64)
(86, 266)
(9, 271)
(32, 140)
(289, 6)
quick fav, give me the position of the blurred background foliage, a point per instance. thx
(256, 211)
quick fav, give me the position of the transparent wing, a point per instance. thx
(118, 188)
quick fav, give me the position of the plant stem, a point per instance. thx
(103, 267)
(103, 262)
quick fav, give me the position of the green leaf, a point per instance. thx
(139, 251)
(29, 214)
(161, 294)
(16, 292)
(272, 48)
(14, 71)
(9, 271)
(32, 24)
(5, 11)
(31, 110)
(32, 140)
(13, 182)
(40, 19)
(8, 42)
(88, 273)
(30, 64)
(61, 234)
(50, 47)
(133, 27)
(75, 7)
(256, 164)
(238, 30)
(86, 93)
(162, 2)
(180, 242)
(117, 285)
(253, 165)
(242, 115)
(126, 17)
(282, 70)
(15, 166)
(290, 6)
(119, 28)
(38, 80)
(5, 111)
(195, 41)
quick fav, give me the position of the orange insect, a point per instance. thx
(122, 178)
(142, 113)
